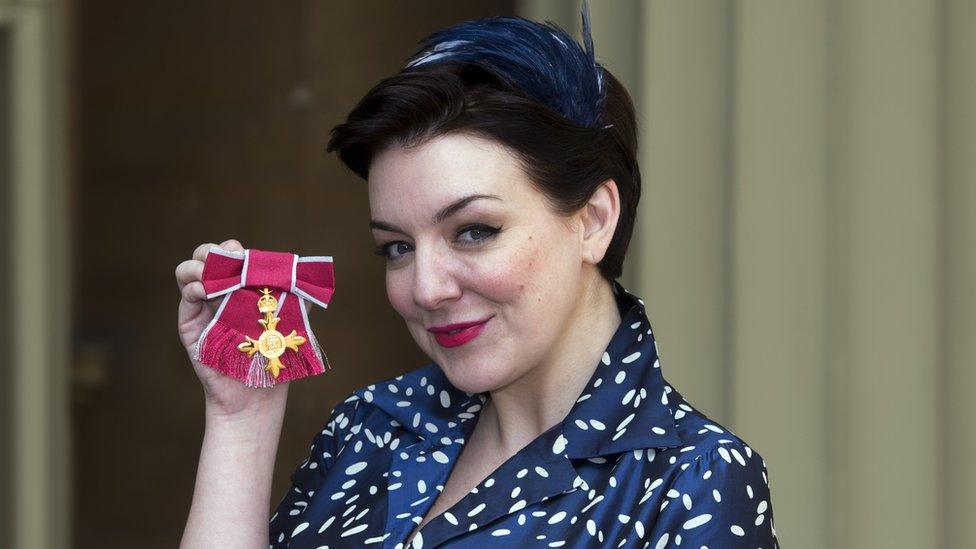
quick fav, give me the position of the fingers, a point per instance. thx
(201, 252)
(193, 292)
(192, 269)
(188, 271)
(232, 245)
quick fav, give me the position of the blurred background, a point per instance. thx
(806, 243)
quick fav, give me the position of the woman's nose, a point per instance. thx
(433, 282)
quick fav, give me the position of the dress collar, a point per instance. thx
(623, 407)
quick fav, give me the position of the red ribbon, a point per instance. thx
(240, 277)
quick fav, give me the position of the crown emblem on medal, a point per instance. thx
(267, 302)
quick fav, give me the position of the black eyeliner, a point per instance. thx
(490, 232)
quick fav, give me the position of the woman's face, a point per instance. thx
(507, 258)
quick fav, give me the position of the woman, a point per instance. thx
(503, 188)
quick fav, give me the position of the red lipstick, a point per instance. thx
(465, 332)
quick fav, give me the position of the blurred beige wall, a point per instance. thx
(806, 244)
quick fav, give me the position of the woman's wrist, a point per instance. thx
(262, 411)
(250, 434)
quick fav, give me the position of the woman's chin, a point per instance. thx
(472, 378)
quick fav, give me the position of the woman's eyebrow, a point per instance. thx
(445, 212)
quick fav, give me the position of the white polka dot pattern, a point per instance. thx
(632, 465)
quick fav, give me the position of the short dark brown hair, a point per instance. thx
(565, 161)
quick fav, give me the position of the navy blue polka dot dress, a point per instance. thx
(632, 465)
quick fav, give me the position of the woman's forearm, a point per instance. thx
(233, 484)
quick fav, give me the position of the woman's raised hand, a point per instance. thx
(225, 395)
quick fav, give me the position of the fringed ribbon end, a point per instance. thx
(218, 349)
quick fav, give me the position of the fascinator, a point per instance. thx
(541, 59)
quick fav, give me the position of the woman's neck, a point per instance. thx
(516, 414)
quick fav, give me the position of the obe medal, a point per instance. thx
(271, 343)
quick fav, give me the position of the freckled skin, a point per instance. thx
(527, 276)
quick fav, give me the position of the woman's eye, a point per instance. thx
(384, 250)
(479, 232)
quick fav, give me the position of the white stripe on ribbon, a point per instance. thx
(224, 291)
(226, 253)
(203, 334)
(308, 330)
(244, 268)
(294, 271)
(281, 303)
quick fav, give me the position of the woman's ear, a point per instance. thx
(599, 218)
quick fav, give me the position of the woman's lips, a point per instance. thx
(447, 339)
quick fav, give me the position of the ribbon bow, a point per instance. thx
(264, 299)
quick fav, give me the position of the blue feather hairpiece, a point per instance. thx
(540, 58)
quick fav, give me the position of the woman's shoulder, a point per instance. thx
(704, 438)
(714, 477)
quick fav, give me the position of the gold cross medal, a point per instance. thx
(271, 343)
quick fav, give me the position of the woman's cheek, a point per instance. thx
(398, 292)
(512, 278)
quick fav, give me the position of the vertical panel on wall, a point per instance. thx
(5, 366)
(679, 249)
(959, 116)
(836, 331)
(38, 435)
(778, 249)
(890, 179)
